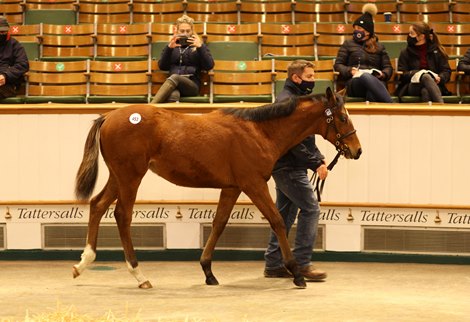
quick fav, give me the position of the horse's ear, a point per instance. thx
(330, 96)
(342, 92)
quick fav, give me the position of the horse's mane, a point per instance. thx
(268, 111)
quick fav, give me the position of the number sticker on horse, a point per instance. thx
(135, 118)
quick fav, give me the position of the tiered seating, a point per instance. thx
(67, 43)
(12, 10)
(123, 42)
(287, 41)
(423, 11)
(156, 10)
(233, 42)
(213, 11)
(133, 30)
(97, 11)
(248, 81)
(354, 10)
(320, 11)
(123, 81)
(279, 11)
(59, 82)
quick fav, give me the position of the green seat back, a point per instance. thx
(236, 50)
(49, 16)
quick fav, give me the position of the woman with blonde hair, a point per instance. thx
(184, 57)
(425, 65)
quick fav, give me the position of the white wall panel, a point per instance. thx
(399, 169)
(406, 159)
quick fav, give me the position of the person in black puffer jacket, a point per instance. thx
(464, 63)
(13, 61)
(424, 52)
(184, 59)
(362, 62)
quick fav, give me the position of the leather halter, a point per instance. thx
(341, 147)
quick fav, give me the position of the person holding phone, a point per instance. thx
(184, 57)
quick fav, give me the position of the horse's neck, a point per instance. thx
(288, 131)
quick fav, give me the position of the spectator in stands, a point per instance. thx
(464, 63)
(184, 57)
(13, 62)
(293, 188)
(363, 63)
(425, 65)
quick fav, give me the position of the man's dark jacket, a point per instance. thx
(305, 155)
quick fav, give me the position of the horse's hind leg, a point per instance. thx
(227, 199)
(260, 196)
(98, 206)
(123, 216)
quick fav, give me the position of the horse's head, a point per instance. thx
(339, 128)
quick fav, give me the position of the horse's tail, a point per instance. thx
(88, 171)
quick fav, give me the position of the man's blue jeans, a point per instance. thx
(294, 191)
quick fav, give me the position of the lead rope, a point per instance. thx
(317, 182)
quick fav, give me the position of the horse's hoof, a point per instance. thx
(145, 285)
(75, 272)
(211, 280)
(300, 282)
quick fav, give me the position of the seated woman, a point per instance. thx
(184, 57)
(425, 65)
(464, 63)
(363, 63)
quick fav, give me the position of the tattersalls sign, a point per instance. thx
(205, 213)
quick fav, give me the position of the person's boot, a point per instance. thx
(162, 95)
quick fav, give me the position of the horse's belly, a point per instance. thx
(191, 175)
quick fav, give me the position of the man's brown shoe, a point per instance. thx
(310, 273)
(281, 272)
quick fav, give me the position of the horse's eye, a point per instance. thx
(343, 118)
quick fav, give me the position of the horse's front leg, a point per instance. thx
(227, 199)
(259, 194)
(123, 216)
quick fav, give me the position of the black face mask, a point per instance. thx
(359, 35)
(3, 38)
(411, 40)
(306, 86)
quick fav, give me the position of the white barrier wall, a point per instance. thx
(407, 160)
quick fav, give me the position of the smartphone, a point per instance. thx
(182, 40)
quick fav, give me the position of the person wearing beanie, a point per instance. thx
(363, 64)
(425, 65)
(13, 62)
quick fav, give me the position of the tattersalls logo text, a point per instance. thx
(38, 213)
(154, 213)
(390, 217)
(244, 214)
(456, 218)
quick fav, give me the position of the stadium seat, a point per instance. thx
(123, 82)
(156, 10)
(247, 81)
(67, 42)
(319, 11)
(391, 31)
(110, 11)
(58, 82)
(460, 12)
(50, 16)
(287, 41)
(28, 35)
(12, 10)
(122, 42)
(354, 10)
(264, 11)
(423, 11)
(327, 46)
(213, 11)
